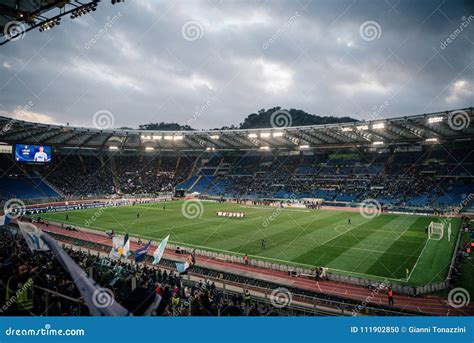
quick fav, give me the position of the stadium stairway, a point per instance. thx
(49, 184)
(189, 183)
(202, 184)
(115, 178)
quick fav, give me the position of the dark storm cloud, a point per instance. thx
(210, 63)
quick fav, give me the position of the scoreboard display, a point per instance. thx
(33, 153)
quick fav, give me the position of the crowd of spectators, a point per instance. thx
(463, 251)
(393, 178)
(76, 175)
(400, 178)
(150, 174)
(130, 284)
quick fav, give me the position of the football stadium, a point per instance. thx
(285, 214)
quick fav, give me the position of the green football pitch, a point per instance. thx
(388, 246)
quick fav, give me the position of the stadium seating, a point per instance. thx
(400, 178)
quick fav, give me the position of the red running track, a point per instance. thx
(427, 304)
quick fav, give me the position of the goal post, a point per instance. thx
(436, 231)
(449, 231)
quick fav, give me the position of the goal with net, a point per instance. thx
(436, 231)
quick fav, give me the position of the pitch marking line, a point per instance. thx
(263, 258)
(417, 260)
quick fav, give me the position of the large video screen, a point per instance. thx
(32, 153)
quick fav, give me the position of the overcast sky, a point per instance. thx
(211, 63)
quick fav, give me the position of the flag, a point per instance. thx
(141, 253)
(407, 271)
(100, 301)
(114, 253)
(5, 220)
(126, 246)
(182, 267)
(33, 237)
(120, 247)
(158, 254)
(117, 276)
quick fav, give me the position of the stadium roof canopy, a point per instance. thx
(441, 127)
(20, 16)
